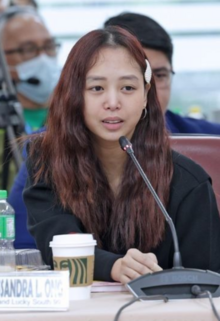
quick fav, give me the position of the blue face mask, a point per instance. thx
(44, 73)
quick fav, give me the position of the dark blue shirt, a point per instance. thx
(186, 125)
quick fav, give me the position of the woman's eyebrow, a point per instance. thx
(92, 78)
(129, 77)
(125, 77)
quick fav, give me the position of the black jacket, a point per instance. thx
(192, 206)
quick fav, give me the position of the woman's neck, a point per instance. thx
(113, 160)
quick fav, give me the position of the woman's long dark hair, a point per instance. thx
(66, 159)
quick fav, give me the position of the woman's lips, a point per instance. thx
(112, 123)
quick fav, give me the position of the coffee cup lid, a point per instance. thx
(73, 239)
(64, 245)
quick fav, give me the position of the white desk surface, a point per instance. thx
(104, 306)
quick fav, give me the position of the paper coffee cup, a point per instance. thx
(75, 252)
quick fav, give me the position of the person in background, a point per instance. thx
(105, 91)
(32, 3)
(31, 55)
(3, 5)
(158, 47)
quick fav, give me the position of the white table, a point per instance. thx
(104, 306)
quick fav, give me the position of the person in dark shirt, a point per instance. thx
(83, 182)
(158, 47)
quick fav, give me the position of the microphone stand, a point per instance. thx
(11, 120)
(178, 282)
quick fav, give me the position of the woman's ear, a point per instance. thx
(148, 86)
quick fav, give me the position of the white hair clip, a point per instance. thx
(148, 72)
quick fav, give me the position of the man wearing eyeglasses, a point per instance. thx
(31, 55)
(158, 47)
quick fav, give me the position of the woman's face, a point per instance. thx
(115, 95)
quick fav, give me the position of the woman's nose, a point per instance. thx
(112, 100)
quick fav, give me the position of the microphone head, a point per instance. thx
(125, 145)
(33, 81)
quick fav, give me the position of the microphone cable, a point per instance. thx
(142, 297)
(197, 292)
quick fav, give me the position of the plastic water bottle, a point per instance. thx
(7, 235)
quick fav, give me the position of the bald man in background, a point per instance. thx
(3, 5)
(32, 3)
(30, 53)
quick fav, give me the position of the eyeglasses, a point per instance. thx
(30, 50)
(163, 77)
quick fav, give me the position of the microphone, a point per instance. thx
(126, 146)
(178, 282)
(33, 81)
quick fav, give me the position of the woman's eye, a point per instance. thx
(97, 88)
(160, 75)
(128, 88)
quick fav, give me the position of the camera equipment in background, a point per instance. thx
(11, 121)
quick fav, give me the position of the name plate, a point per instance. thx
(34, 291)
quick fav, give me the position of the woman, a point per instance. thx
(82, 182)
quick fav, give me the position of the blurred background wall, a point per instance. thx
(193, 25)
